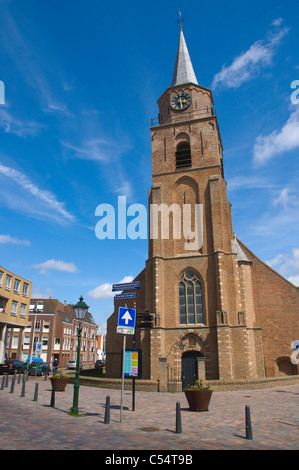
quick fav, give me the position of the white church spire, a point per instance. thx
(183, 70)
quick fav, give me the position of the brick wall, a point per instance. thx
(277, 311)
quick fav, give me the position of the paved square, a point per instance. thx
(34, 425)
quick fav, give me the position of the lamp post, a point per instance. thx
(80, 310)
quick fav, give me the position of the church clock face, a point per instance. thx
(180, 101)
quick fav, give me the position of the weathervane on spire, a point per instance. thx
(180, 20)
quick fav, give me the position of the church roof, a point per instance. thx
(240, 253)
(183, 70)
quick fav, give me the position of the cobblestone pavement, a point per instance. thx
(26, 424)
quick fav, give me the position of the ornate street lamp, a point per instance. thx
(80, 310)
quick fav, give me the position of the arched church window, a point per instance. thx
(183, 155)
(190, 299)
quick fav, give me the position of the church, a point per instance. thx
(216, 311)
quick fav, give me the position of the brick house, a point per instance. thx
(219, 311)
(53, 323)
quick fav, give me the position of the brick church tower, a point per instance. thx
(202, 285)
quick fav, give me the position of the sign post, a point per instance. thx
(122, 380)
(125, 324)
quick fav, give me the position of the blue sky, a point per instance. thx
(82, 79)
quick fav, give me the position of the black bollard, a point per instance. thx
(12, 387)
(19, 378)
(3, 382)
(45, 377)
(23, 388)
(52, 403)
(107, 410)
(178, 424)
(6, 381)
(35, 393)
(248, 423)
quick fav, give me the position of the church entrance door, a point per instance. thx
(189, 368)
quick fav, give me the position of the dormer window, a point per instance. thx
(183, 155)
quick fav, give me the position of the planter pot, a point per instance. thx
(59, 384)
(198, 400)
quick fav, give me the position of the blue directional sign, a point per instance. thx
(128, 295)
(126, 286)
(126, 317)
(126, 320)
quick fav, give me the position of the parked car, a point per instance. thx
(9, 367)
(73, 364)
(46, 368)
(99, 363)
(35, 368)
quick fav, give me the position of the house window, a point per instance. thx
(14, 307)
(1, 277)
(190, 299)
(16, 287)
(8, 282)
(15, 341)
(25, 289)
(23, 310)
(183, 155)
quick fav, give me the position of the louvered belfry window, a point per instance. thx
(183, 155)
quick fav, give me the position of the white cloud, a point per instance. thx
(36, 68)
(279, 220)
(45, 197)
(107, 151)
(248, 182)
(287, 265)
(294, 280)
(279, 141)
(287, 200)
(92, 149)
(98, 148)
(248, 63)
(12, 125)
(125, 189)
(38, 294)
(104, 291)
(55, 265)
(102, 328)
(13, 240)
(277, 22)
(55, 107)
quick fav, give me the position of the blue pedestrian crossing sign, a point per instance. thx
(126, 320)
